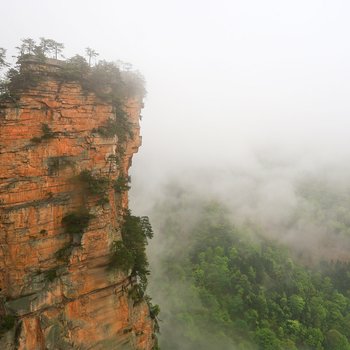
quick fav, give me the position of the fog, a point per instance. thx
(245, 98)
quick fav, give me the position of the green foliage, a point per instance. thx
(135, 234)
(20, 79)
(91, 53)
(122, 257)
(146, 227)
(74, 69)
(325, 205)
(266, 339)
(94, 185)
(227, 283)
(130, 253)
(29, 48)
(45, 46)
(118, 126)
(109, 129)
(124, 126)
(136, 293)
(76, 222)
(336, 340)
(122, 184)
(51, 46)
(154, 311)
(104, 79)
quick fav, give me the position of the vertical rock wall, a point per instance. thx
(76, 303)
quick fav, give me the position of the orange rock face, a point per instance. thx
(77, 303)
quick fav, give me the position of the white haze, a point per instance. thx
(225, 79)
(245, 97)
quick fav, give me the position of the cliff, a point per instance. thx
(57, 231)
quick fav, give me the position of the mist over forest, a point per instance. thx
(244, 170)
(300, 208)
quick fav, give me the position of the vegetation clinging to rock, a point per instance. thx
(130, 253)
(122, 184)
(94, 185)
(76, 222)
(106, 79)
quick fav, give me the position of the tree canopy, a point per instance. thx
(223, 286)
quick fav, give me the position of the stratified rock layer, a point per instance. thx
(78, 303)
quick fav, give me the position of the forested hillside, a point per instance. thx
(223, 286)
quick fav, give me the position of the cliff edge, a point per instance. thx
(63, 198)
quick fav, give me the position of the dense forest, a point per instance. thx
(226, 286)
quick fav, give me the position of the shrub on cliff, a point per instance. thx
(19, 79)
(76, 222)
(130, 253)
(108, 130)
(122, 257)
(122, 184)
(105, 79)
(93, 184)
(74, 69)
(118, 126)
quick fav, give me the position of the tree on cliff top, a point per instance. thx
(2, 57)
(57, 48)
(49, 46)
(27, 47)
(91, 53)
(45, 47)
(105, 79)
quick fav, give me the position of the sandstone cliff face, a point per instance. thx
(77, 303)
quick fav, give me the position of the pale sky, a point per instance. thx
(225, 78)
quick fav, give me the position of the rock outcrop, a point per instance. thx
(59, 287)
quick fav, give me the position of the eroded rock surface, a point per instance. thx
(76, 302)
